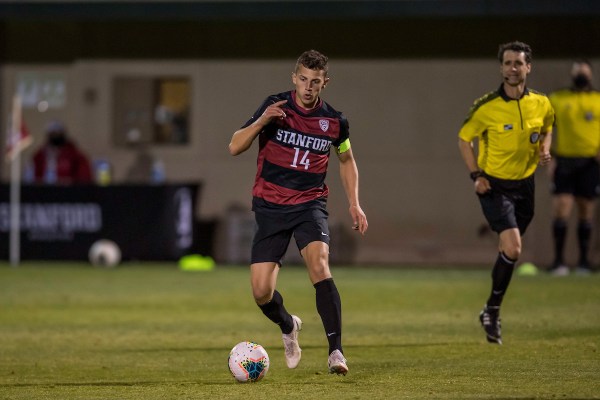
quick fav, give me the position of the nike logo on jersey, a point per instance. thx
(324, 234)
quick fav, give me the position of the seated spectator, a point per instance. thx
(59, 160)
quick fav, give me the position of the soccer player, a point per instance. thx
(296, 130)
(576, 177)
(513, 126)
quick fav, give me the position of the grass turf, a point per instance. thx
(150, 331)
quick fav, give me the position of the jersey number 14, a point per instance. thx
(302, 160)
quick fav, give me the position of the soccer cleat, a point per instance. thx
(290, 344)
(583, 270)
(337, 363)
(490, 322)
(560, 270)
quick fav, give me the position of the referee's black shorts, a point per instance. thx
(274, 232)
(577, 176)
(509, 204)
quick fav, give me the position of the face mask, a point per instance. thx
(581, 81)
(57, 140)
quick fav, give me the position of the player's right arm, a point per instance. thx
(242, 138)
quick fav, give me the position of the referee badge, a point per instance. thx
(535, 136)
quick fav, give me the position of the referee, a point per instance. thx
(513, 126)
(576, 177)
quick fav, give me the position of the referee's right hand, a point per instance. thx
(482, 185)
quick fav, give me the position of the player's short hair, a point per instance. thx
(517, 46)
(312, 59)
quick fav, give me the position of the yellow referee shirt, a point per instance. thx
(577, 123)
(508, 131)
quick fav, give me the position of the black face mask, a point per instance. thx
(57, 140)
(581, 81)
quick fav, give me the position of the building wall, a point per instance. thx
(404, 117)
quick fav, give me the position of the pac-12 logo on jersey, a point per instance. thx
(324, 124)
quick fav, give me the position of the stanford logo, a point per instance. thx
(324, 124)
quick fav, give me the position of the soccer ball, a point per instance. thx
(104, 253)
(248, 362)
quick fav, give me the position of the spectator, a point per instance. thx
(59, 160)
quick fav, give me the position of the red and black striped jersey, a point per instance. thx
(294, 153)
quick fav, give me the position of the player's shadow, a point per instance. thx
(312, 347)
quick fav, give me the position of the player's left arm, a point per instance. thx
(349, 176)
(546, 137)
(545, 145)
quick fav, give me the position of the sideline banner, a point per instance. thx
(148, 222)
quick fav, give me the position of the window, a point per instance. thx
(151, 110)
(42, 90)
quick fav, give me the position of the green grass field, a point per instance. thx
(70, 331)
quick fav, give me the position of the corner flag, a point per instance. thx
(18, 137)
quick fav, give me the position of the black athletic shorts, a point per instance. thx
(577, 176)
(510, 203)
(274, 232)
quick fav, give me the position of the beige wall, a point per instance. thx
(404, 116)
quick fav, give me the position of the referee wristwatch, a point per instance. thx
(475, 174)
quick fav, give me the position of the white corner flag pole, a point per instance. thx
(15, 188)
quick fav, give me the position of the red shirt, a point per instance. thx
(294, 153)
(72, 166)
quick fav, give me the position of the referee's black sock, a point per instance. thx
(276, 312)
(559, 233)
(501, 275)
(584, 233)
(329, 307)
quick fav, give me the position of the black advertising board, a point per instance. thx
(148, 222)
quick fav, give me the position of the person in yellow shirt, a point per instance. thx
(576, 176)
(513, 127)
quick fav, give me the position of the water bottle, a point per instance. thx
(158, 172)
(102, 171)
